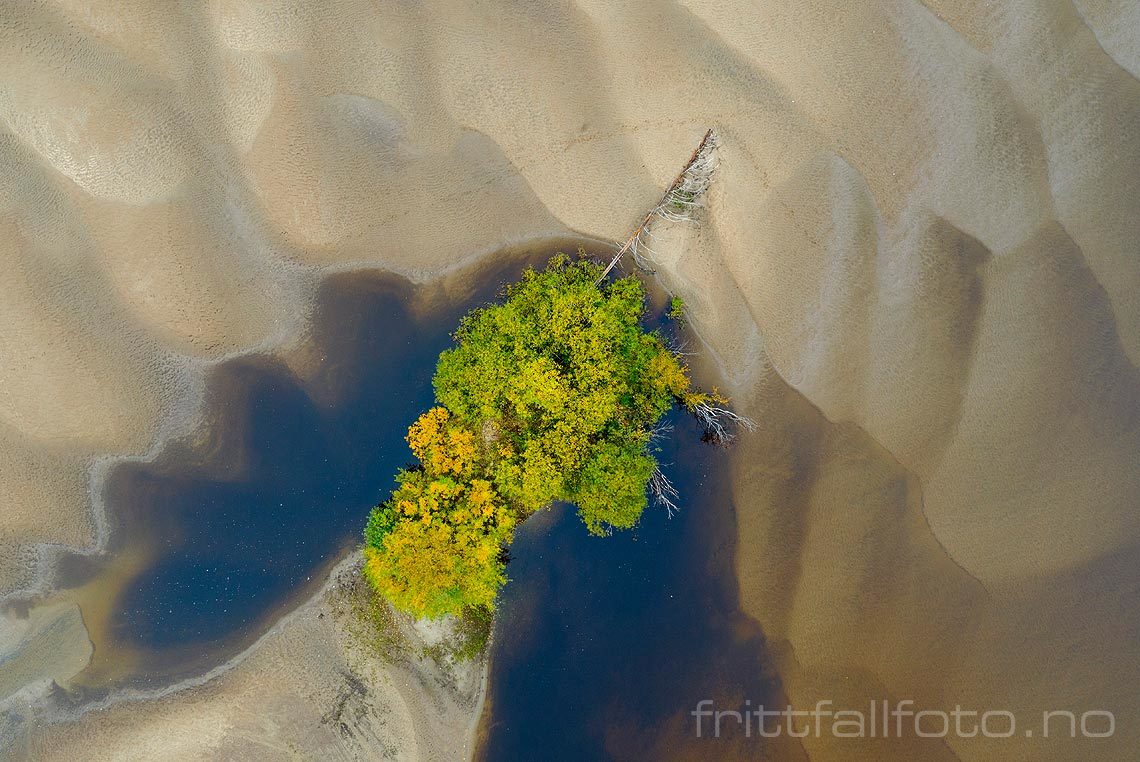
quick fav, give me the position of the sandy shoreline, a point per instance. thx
(275, 698)
(427, 296)
(918, 269)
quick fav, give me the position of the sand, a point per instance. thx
(918, 272)
(314, 687)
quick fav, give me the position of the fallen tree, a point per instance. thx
(553, 395)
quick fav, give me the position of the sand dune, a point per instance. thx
(919, 271)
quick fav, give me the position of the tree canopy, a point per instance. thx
(548, 396)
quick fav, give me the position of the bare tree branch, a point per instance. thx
(660, 430)
(720, 422)
(677, 205)
(663, 491)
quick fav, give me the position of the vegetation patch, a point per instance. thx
(369, 617)
(469, 638)
(676, 309)
(551, 395)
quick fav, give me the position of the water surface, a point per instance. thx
(229, 528)
(602, 645)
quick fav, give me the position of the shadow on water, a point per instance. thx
(605, 645)
(244, 519)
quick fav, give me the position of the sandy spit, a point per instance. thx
(315, 686)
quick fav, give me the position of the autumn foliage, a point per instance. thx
(548, 396)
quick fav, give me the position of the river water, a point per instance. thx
(603, 645)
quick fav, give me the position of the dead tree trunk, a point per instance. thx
(677, 205)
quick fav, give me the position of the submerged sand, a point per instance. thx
(918, 273)
(324, 683)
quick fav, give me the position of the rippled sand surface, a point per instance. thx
(918, 273)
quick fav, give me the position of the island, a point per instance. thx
(554, 395)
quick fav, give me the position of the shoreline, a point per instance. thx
(430, 697)
(186, 419)
(427, 295)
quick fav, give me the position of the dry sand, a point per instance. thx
(919, 273)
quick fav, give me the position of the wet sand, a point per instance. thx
(604, 646)
(231, 527)
(923, 229)
(314, 686)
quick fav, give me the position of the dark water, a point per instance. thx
(247, 521)
(604, 645)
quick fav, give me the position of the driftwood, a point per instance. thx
(677, 205)
(719, 422)
(682, 198)
(663, 491)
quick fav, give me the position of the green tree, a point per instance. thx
(547, 396)
(435, 546)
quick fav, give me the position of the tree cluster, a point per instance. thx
(548, 396)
